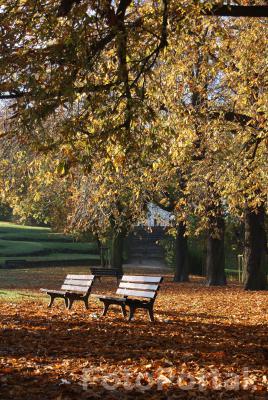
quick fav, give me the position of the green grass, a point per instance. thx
(10, 231)
(53, 257)
(19, 295)
(41, 244)
(12, 248)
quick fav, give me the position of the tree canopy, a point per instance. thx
(141, 101)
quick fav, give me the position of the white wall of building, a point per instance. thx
(157, 216)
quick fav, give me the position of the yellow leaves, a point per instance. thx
(180, 203)
(155, 165)
(116, 155)
(209, 66)
(37, 197)
(118, 161)
(158, 165)
(164, 201)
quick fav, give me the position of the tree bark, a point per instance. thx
(181, 255)
(117, 246)
(215, 262)
(255, 248)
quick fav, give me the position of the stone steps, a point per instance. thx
(145, 245)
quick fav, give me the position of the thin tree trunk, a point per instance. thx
(117, 246)
(215, 262)
(181, 255)
(255, 249)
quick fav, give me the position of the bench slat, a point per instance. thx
(83, 289)
(136, 293)
(145, 279)
(78, 282)
(80, 277)
(141, 286)
(53, 291)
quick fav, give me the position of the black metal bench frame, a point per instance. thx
(136, 286)
(75, 287)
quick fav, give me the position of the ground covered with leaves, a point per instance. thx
(205, 343)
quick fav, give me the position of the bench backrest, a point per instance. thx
(78, 283)
(99, 271)
(139, 286)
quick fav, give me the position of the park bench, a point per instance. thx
(99, 272)
(74, 287)
(136, 292)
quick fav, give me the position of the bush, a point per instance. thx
(195, 247)
(5, 212)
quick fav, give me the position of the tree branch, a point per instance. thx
(237, 11)
(66, 6)
(168, 208)
(217, 10)
(12, 96)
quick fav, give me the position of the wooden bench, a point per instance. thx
(74, 287)
(100, 272)
(136, 292)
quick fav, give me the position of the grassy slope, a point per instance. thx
(41, 244)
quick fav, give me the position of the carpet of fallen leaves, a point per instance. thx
(200, 338)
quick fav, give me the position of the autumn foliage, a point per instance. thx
(201, 336)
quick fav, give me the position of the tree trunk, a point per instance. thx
(255, 249)
(215, 262)
(117, 246)
(181, 255)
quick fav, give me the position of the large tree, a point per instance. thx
(108, 71)
(243, 178)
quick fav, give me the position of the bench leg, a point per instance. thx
(105, 308)
(124, 311)
(52, 298)
(118, 279)
(66, 300)
(70, 303)
(151, 313)
(131, 312)
(86, 303)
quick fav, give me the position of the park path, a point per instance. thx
(156, 265)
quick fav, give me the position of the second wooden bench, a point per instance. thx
(136, 292)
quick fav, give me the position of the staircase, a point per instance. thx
(143, 245)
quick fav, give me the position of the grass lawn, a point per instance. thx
(41, 244)
(12, 295)
(15, 231)
(201, 336)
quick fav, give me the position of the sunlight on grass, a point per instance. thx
(19, 295)
(31, 243)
